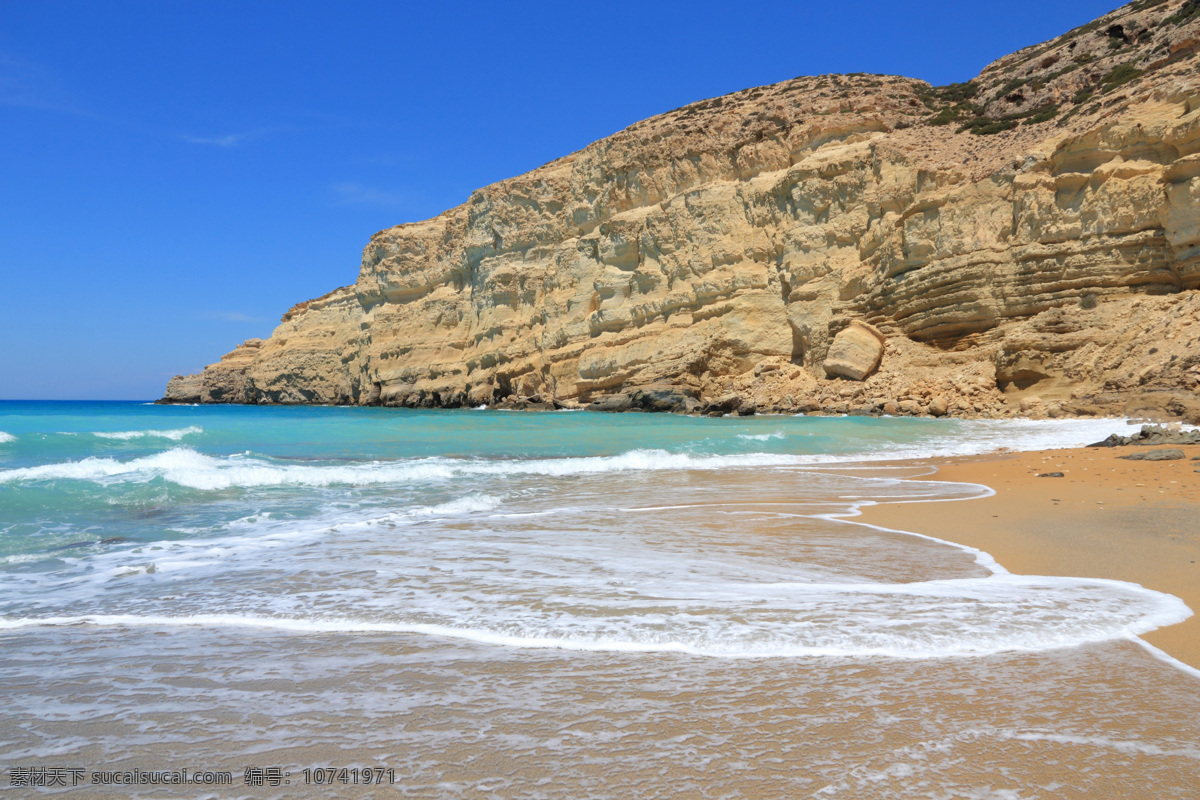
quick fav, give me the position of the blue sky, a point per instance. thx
(176, 175)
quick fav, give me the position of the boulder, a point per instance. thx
(855, 352)
(1154, 455)
(725, 404)
(662, 398)
(614, 403)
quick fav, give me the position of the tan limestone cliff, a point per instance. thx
(1028, 242)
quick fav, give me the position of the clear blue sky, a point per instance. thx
(175, 175)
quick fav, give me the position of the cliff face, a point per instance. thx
(1026, 242)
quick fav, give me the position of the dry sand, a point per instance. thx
(1135, 521)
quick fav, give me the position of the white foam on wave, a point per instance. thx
(761, 437)
(186, 467)
(189, 468)
(6, 437)
(463, 505)
(933, 619)
(175, 434)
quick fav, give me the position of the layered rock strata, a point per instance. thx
(1024, 243)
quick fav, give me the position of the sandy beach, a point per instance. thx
(1106, 517)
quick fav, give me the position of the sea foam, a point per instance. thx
(761, 437)
(937, 619)
(186, 467)
(175, 434)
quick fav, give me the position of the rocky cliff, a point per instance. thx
(1027, 242)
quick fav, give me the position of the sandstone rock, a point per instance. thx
(184, 389)
(722, 246)
(855, 352)
(726, 404)
(480, 394)
(938, 406)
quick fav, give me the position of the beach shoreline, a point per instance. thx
(1105, 517)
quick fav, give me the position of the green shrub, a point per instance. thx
(943, 117)
(1120, 75)
(983, 126)
(1042, 115)
(1190, 9)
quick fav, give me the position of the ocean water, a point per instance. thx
(552, 605)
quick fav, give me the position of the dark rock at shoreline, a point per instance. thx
(612, 403)
(663, 399)
(650, 398)
(726, 404)
(1149, 436)
(1154, 455)
(1051, 475)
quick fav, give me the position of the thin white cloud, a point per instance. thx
(235, 139)
(355, 194)
(231, 140)
(26, 84)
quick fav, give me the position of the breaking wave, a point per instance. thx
(174, 435)
(187, 467)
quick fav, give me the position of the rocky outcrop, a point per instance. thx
(1024, 243)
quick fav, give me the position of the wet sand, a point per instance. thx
(1135, 521)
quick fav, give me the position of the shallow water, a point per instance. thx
(560, 604)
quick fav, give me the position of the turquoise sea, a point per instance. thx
(563, 604)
